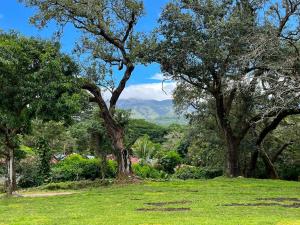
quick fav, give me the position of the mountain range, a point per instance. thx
(160, 112)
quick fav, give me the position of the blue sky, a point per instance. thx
(15, 16)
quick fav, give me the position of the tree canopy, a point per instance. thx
(238, 60)
(36, 80)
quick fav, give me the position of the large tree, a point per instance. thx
(114, 46)
(236, 59)
(35, 79)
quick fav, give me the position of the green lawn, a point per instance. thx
(206, 199)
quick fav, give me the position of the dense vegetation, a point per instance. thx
(237, 68)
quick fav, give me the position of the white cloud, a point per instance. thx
(156, 91)
(158, 76)
(151, 91)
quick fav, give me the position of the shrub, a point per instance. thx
(168, 162)
(2, 188)
(147, 171)
(192, 172)
(112, 169)
(290, 172)
(29, 173)
(75, 185)
(75, 167)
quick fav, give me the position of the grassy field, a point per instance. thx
(219, 201)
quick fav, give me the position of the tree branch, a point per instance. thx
(279, 151)
(275, 122)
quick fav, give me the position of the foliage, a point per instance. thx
(238, 62)
(29, 170)
(36, 81)
(109, 43)
(55, 133)
(75, 167)
(201, 153)
(138, 128)
(44, 158)
(74, 185)
(170, 161)
(191, 172)
(112, 169)
(30, 68)
(173, 140)
(290, 172)
(147, 171)
(145, 149)
(283, 146)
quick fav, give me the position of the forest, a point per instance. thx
(236, 66)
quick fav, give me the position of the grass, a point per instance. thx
(118, 204)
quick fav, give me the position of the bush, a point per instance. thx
(290, 172)
(168, 162)
(2, 188)
(112, 169)
(29, 173)
(191, 172)
(74, 185)
(147, 171)
(75, 167)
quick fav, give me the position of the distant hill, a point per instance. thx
(160, 112)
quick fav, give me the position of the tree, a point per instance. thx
(145, 149)
(110, 39)
(56, 134)
(140, 127)
(35, 81)
(279, 146)
(236, 59)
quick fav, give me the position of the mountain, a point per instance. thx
(160, 112)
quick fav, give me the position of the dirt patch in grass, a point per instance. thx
(295, 202)
(280, 199)
(252, 204)
(34, 195)
(167, 203)
(191, 191)
(159, 207)
(163, 209)
(294, 205)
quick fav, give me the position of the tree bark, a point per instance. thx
(122, 154)
(278, 117)
(270, 169)
(114, 130)
(233, 169)
(253, 163)
(11, 174)
(232, 142)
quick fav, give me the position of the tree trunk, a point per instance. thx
(11, 174)
(232, 169)
(270, 169)
(123, 156)
(252, 164)
(116, 135)
(114, 130)
(232, 142)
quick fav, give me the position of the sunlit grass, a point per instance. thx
(115, 205)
